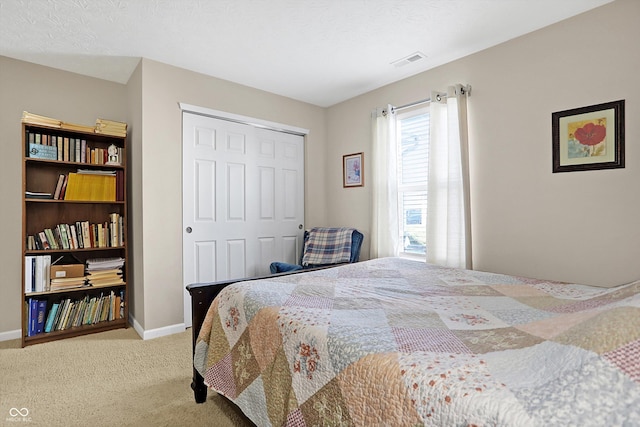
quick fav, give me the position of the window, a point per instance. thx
(413, 160)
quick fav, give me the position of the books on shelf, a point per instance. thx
(70, 313)
(66, 149)
(37, 273)
(80, 235)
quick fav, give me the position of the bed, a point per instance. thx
(396, 342)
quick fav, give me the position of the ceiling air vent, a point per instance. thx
(414, 57)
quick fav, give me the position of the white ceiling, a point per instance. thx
(318, 51)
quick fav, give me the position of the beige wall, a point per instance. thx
(46, 91)
(579, 226)
(134, 188)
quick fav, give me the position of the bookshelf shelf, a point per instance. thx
(81, 290)
(93, 202)
(61, 226)
(75, 331)
(59, 251)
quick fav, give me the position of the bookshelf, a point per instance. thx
(74, 219)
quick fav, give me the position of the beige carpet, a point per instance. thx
(108, 379)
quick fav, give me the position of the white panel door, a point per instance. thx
(243, 200)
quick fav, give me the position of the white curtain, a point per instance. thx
(384, 224)
(448, 213)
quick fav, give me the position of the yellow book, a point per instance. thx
(91, 187)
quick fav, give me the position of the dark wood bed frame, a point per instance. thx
(202, 295)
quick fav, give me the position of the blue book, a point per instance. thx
(52, 315)
(33, 316)
(42, 310)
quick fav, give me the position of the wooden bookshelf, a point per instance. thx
(106, 218)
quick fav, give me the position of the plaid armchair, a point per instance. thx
(325, 246)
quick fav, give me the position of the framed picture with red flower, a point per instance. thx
(589, 138)
(353, 170)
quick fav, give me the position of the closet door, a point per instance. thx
(243, 199)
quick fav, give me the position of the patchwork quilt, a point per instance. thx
(395, 342)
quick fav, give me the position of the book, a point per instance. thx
(33, 316)
(37, 195)
(63, 190)
(83, 151)
(79, 236)
(46, 272)
(43, 240)
(38, 282)
(60, 314)
(41, 311)
(51, 238)
(29, 262)
(72, 149)
(56, 194)
(78, 150)
(42, 151)
(86, 234)
(65, 149)
(74, 236)
(91, 187)
(51, 317)
(63, 236)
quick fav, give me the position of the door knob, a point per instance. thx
(188, 230)
(300, 227)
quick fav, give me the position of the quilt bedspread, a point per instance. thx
(394, 342)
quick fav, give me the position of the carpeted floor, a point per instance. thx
(107, 379)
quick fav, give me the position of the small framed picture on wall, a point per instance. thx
(589, 138)
(353, 170)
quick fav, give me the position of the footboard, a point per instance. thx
(202, 295)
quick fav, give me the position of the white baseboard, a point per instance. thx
(10, 335)
(145, 335)
(156, 333)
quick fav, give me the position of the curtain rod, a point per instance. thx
(463, 90)
(412, 104)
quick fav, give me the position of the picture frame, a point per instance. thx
(353, 170)
(588, 138)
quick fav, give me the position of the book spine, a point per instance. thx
(51, 316)
(33, 316)
(83, 151)
(78, 150)
(29, 261)
(42, 309)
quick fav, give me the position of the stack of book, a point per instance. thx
(110, 127)
(76, 128)
(35, 119)
(67, 283)
(37, 273)
(105, 271)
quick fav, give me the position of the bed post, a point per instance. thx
(202, 295)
